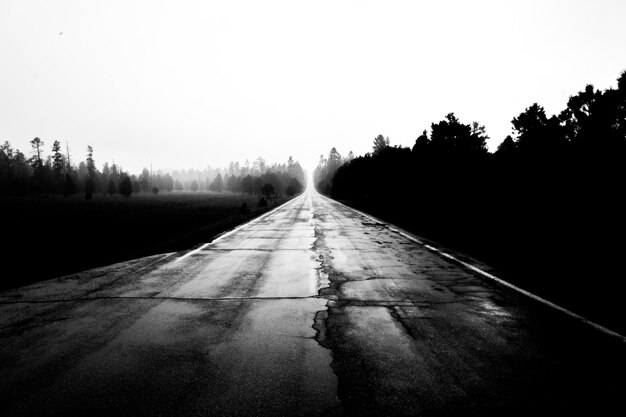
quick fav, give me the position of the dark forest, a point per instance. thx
(546, 209)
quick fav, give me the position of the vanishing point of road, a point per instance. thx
(312, 309)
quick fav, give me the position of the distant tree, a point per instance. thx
(105, 175)
(126, 186)
(257, 184)
(478, 138)
(91, 175)
(178, 186)
(267, 190)
(90, 163)
(82, 170)
(111, 188)
(90, 188)
(453, 138)
(37, 146)
(194, 185)
(421, 143)
(247, 184)
(168, 182)
(290, 164)
(538, 136)
(58, 162)
(621, 82)
(507, 146)
(6, 168)
(294, 187)
(380, 143)
(334, 161)
(260, 165)
(144, 180)
(274, 180)
(135, 184)
(21, 172)
(115, 174)
(36, 163)
(69, 188)
(155, 190)
(218, 184)
(233, 184)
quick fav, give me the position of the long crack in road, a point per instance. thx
(313, 309)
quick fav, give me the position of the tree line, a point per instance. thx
(55, 174)
(557, 181)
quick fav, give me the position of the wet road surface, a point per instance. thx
(312, 309)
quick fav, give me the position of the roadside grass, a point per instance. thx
(47, 237)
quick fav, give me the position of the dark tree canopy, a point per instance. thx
(455, 138)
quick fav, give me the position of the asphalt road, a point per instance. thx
(312, 309)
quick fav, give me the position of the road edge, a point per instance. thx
(234, 229)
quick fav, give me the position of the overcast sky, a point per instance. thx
(196, 83)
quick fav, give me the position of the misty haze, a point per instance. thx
(335, 208)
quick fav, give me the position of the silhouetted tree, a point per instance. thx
(194, 185)
(37, 146)
(538, 135)
(507, 146)
(90, 163)
(456, 139)
(90, 178)
(380, 143)
(58, 165)
(36, 163)
(421, 143)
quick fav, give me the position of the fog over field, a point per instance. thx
(193, 83)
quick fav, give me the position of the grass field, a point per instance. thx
(44, 238)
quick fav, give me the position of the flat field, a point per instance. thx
(46, 237)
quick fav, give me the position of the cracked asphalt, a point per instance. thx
(310, 310)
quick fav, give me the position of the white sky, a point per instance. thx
(195, 83)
